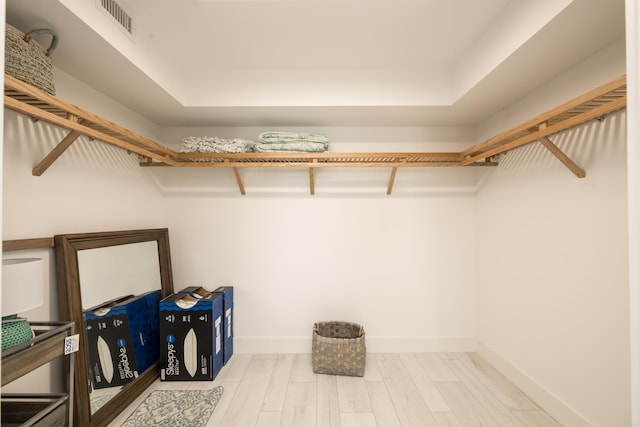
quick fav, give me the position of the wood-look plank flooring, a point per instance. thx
(397, 390)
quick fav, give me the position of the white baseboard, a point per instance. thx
(271, 345)
(555, 407)
(374, 344)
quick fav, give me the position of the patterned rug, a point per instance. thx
(99, 400)
(179, 408)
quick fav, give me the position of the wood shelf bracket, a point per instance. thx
(66, 142)
(312, 182)
(236, 172)
(392, 179)
(570, 164)
(312, 179)
(560, 155)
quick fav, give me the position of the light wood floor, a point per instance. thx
(414, 389)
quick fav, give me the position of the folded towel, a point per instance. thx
(206, 144)
(275, 137)
(276, 147)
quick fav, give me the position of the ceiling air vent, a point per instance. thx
(119, 13)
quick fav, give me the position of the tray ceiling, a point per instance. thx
(322, 62)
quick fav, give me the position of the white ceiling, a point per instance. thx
(322, 62)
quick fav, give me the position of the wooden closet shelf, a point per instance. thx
(319, 160)
(31, 101)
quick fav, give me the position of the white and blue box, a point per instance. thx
(109, 346)
(122, 338)
(227, 323)
(190, 337)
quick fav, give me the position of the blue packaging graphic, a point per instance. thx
(153, 310)
(143, 313)
(227, 320)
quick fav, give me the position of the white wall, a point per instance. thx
(393, 265)
(553, 258)
(632, 12)
(402, 265)
(553, 291)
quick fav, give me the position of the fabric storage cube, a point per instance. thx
(338, 348)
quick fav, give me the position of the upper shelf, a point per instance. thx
(29, 100)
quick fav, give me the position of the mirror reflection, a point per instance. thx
(120, 290)
(112, 271)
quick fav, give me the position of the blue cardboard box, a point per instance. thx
(143, 312)
(109, 346)
(190, 336)
(122, 338)
(227, 323)
(153, 313)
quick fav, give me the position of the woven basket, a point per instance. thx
(26, 60)
(338, 348)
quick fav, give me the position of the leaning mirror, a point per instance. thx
(100, 275)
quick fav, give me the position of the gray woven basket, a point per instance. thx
(26, 60)
(338, 348)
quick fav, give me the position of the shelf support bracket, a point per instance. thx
(236, 172)
(312, 179)
(392, 179)
(560, 155)
(41, 167)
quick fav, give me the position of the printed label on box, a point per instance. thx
(218, 340)
(71, 344)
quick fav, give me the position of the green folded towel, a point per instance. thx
(275, 137)
(300, 146)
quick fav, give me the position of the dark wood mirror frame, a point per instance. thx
(70, 302)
